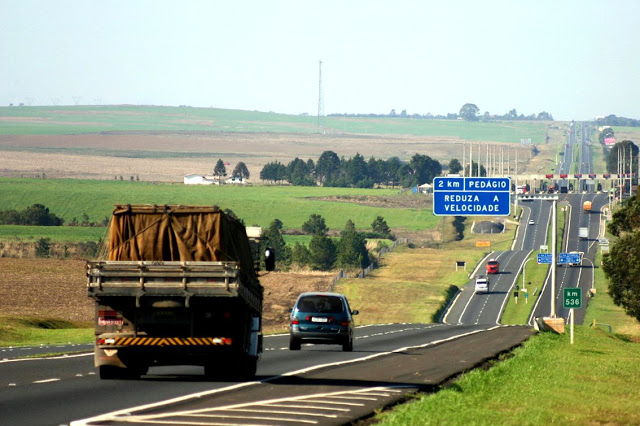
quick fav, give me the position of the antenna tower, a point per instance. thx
(320, 99)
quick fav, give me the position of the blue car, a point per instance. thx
(321, 317)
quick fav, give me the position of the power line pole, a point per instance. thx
(320, 97)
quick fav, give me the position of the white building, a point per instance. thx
(196, 179)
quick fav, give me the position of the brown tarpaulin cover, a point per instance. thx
(178, 233)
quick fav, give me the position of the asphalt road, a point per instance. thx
(59, 390)
(470, 307)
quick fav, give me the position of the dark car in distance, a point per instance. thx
(321, 317)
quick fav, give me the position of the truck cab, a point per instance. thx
(493, 266)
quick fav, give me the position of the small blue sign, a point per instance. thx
(569, 258)
(545, 258)
(471, 196)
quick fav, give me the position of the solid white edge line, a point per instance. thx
(66, 356)
(113, 415)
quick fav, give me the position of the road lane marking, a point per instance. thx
(66, 356)
(127, 411)
(46, 381)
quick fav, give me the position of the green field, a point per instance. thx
(42, 120)
(258, 205)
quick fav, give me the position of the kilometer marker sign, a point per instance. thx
(471, 196)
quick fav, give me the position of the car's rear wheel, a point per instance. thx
(348, 345)
(294, 344)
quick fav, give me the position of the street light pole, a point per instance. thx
(553, 258)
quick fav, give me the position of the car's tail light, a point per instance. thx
(295, 321)
(308, 318)
(344, 323)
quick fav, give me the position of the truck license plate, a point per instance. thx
(319, 319)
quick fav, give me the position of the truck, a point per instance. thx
(177, 285)
(583, 233)
(493, 266)
(586, 206)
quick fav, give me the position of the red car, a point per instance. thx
(493, 267)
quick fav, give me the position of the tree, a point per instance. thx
(619, 156)
(272, 237)
(356, 169)
(298, 173)
(220, 170)
(275, 172)
(469, 112)
(323, 252)
(39, 215)
(300, 254)
(315, 225)
(455, 166)
(241, 170)
(351, 250)
(328, 166)
(620, 265)
(43, 247)
(379, 226)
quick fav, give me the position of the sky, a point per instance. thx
(576, 59)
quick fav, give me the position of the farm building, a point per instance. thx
(236, 180)
(196, 179)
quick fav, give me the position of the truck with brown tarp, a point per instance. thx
(177, 285)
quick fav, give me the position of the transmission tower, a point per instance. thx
(320, 100)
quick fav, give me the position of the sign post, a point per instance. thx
(571, 299)
(471, 196)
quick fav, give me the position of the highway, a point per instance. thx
(486, 308)
(388, 362)
(320, 384)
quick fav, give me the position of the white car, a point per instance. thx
(482, 284)
(531, 222)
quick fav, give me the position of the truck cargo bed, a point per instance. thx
(172, 278)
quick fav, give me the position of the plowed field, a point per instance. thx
(56, 289)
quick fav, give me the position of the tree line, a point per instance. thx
(333, 171)
(620, 264)
(463, 113)
(323, 252)
(612, 120)
(39, 215)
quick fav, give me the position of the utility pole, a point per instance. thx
(320, 98)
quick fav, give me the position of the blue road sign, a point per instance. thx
(569, 258)
(471, 196)
(545, 258)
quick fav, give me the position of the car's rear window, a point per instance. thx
(317, 304)
(493, 263)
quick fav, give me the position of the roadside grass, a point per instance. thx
(545, 381)
(412, 283)
(27, 330)
(256, 205)
(604, 313)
